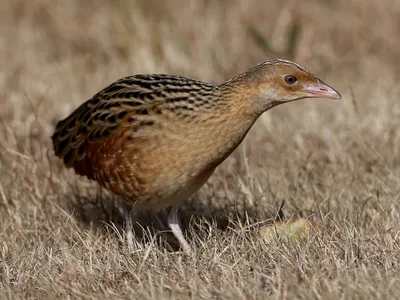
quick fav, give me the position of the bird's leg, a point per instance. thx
(174, 224)
(127, 209)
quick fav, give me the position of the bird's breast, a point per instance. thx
(164, 164)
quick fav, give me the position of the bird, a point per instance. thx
(155, 139)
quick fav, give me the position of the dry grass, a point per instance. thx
(62, 237)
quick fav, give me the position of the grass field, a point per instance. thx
(62, 237)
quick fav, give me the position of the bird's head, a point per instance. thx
(279, 81)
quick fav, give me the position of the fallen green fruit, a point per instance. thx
(292, 230)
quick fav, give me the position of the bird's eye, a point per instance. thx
(290, 79)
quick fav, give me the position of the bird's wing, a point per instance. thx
(124, 103)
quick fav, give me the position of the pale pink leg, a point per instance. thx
(173, 223)
(128, 225)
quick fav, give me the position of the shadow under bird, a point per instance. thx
(156, 139)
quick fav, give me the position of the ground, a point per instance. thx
(62, 237)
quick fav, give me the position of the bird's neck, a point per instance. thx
(227, 124)
(242, 106)
(249, 93)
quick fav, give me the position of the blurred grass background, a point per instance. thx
(338, 158)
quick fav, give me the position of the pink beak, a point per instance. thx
(321, 90)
